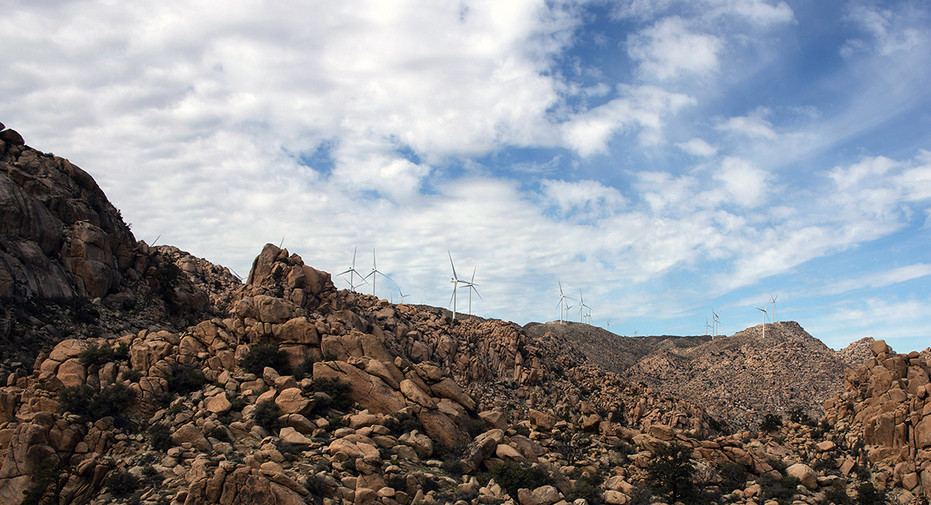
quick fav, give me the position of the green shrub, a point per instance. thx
(93, 357)
(400, 423)
(797, 415)
(131, 375)
(266, 415)
(867, 494)
(670, 471)
(90, 404)
(305, 369)
(185, 379)
(587, 487)
(733, 476)
(836, 495)
(263, 355)
(121, 483)
(336, 390)
(780, 490)
(513, 476)
(770, 422)
(237, 404)
(160, 437)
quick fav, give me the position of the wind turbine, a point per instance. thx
(374, 273)
(609, 325)
(706, 325)
(401, 295)
(471, 285)
(455, 282)
(353, 272)
(581, 306)
(563, 306)
(764, 320)
(772, 302)
(714, 324)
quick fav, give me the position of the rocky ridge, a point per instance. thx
(369, 402)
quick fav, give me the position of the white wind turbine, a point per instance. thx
(401, 295)
(714, 324)
(471, 285)
(563, 306)
(581, 306)
(608, 324)
(455, 282)
(706, 325)
(764, 320)
(353, 272)
(772, 302)
(375, 272)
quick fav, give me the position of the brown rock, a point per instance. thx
(292, 436)
(447, 388)
(416, 395)
(190, 433)
(494, 419)
(541, 420)
(370, 392)
(71, 373)
(12, 137)
(218, 404)
(805, 474)
(299, 331)
(292, 401)
(273, 310)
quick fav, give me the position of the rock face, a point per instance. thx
(59, 235)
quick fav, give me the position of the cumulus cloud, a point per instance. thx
(698, 147)
(745, 184)
(669, 50)
(585, 199)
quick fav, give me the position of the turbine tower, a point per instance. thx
(563, 306)
(706, 325)
(772, 315)
(581, 306)
(353, 272)
(714, 324)
(374, 273)
(471, 285)
(455, 282)
(401, 295)
(764, 320)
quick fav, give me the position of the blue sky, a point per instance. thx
(667, 158)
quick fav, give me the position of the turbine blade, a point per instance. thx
(452, 265)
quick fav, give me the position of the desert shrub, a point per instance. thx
(131, 375)
(185, 379)
(670, 471)
(219, 433)
(587, 487)
(780, 490)
(400, 423)
(733, 476)
(317, 486)
(91, 404)
(160, 437)
(305, 369)
(867, 494)
(93, 357)
(513, 476)
(237, 404)
(265, 355)
(337, 391)
(151, 476)
(797, 415)
(836, 495)
(770, 422)
(121, 483)
(266, 415)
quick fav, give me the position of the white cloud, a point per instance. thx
(698, 147)
(586, 199)
(670, 50)
(880, 279)
(640, 108)
(754, 125)
(745, 184)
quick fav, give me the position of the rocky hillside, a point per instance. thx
(738, 378)
(284, 390)
(612, 352)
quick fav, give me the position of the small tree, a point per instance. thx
(670, 473)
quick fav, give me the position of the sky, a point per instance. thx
(662, 159)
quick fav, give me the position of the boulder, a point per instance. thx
(804, 473)
(12, 137)
(368, 391)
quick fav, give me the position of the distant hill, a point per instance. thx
(737, 378)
